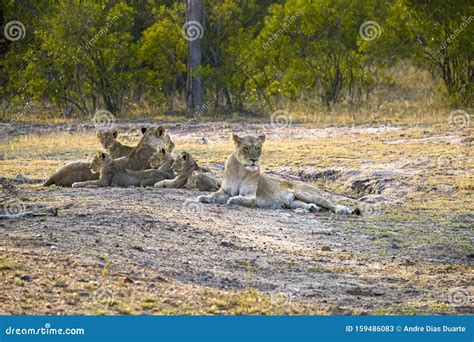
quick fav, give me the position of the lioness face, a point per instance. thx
(158, 137)
(248, 150)
(159, 157)
(98, 161)
(182, 162)
(107, 138)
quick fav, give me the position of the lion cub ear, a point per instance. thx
(236, 138)
(144, 130)
(102, 155)
(115, 133)
(262, 138)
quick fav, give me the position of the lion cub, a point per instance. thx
(108, 139)
(80, 171)
(113, 175)
(190, 175)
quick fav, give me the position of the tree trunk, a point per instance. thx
(194, 85)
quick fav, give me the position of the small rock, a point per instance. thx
(326, 249)
(26, 277)
(21, 178)
(54, 248)
(94, 283)
(128, 280)
(226, 243)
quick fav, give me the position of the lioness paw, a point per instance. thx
(311, 207)
(233, 200)
(159, 184)
(76, 185)
(343, 210)
(205, 199)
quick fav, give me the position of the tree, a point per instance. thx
(193, 34)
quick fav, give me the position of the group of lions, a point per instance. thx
(152, 163)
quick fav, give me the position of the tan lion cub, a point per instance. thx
(244, 184)
(80, 171)
(110, 175)
(190, 175)
(112, 170)
(108, 139)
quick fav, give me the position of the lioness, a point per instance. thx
(190, 175)
(113, 175)
(139, 159)
(244, 184)
(108, 139)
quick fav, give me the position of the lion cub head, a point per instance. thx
(100, 159)
(248, 150)
(159, 157)
(107, 138)
(183, 162)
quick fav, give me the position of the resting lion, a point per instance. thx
(244, 184)
(80, 171)
(111, 170)
(71, 173)
(108, 139)
(190, 175)
(119, 177)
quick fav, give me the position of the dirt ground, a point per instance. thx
(135, 250)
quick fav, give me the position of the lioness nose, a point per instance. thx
(253, 160)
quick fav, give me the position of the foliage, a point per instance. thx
(80, 56)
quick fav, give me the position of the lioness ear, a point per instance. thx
(161, 131)
(262, 138)
(185, 156)
(163, 150)
(236, 139)
(144, 130)
(102, 155)
(115, 133)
